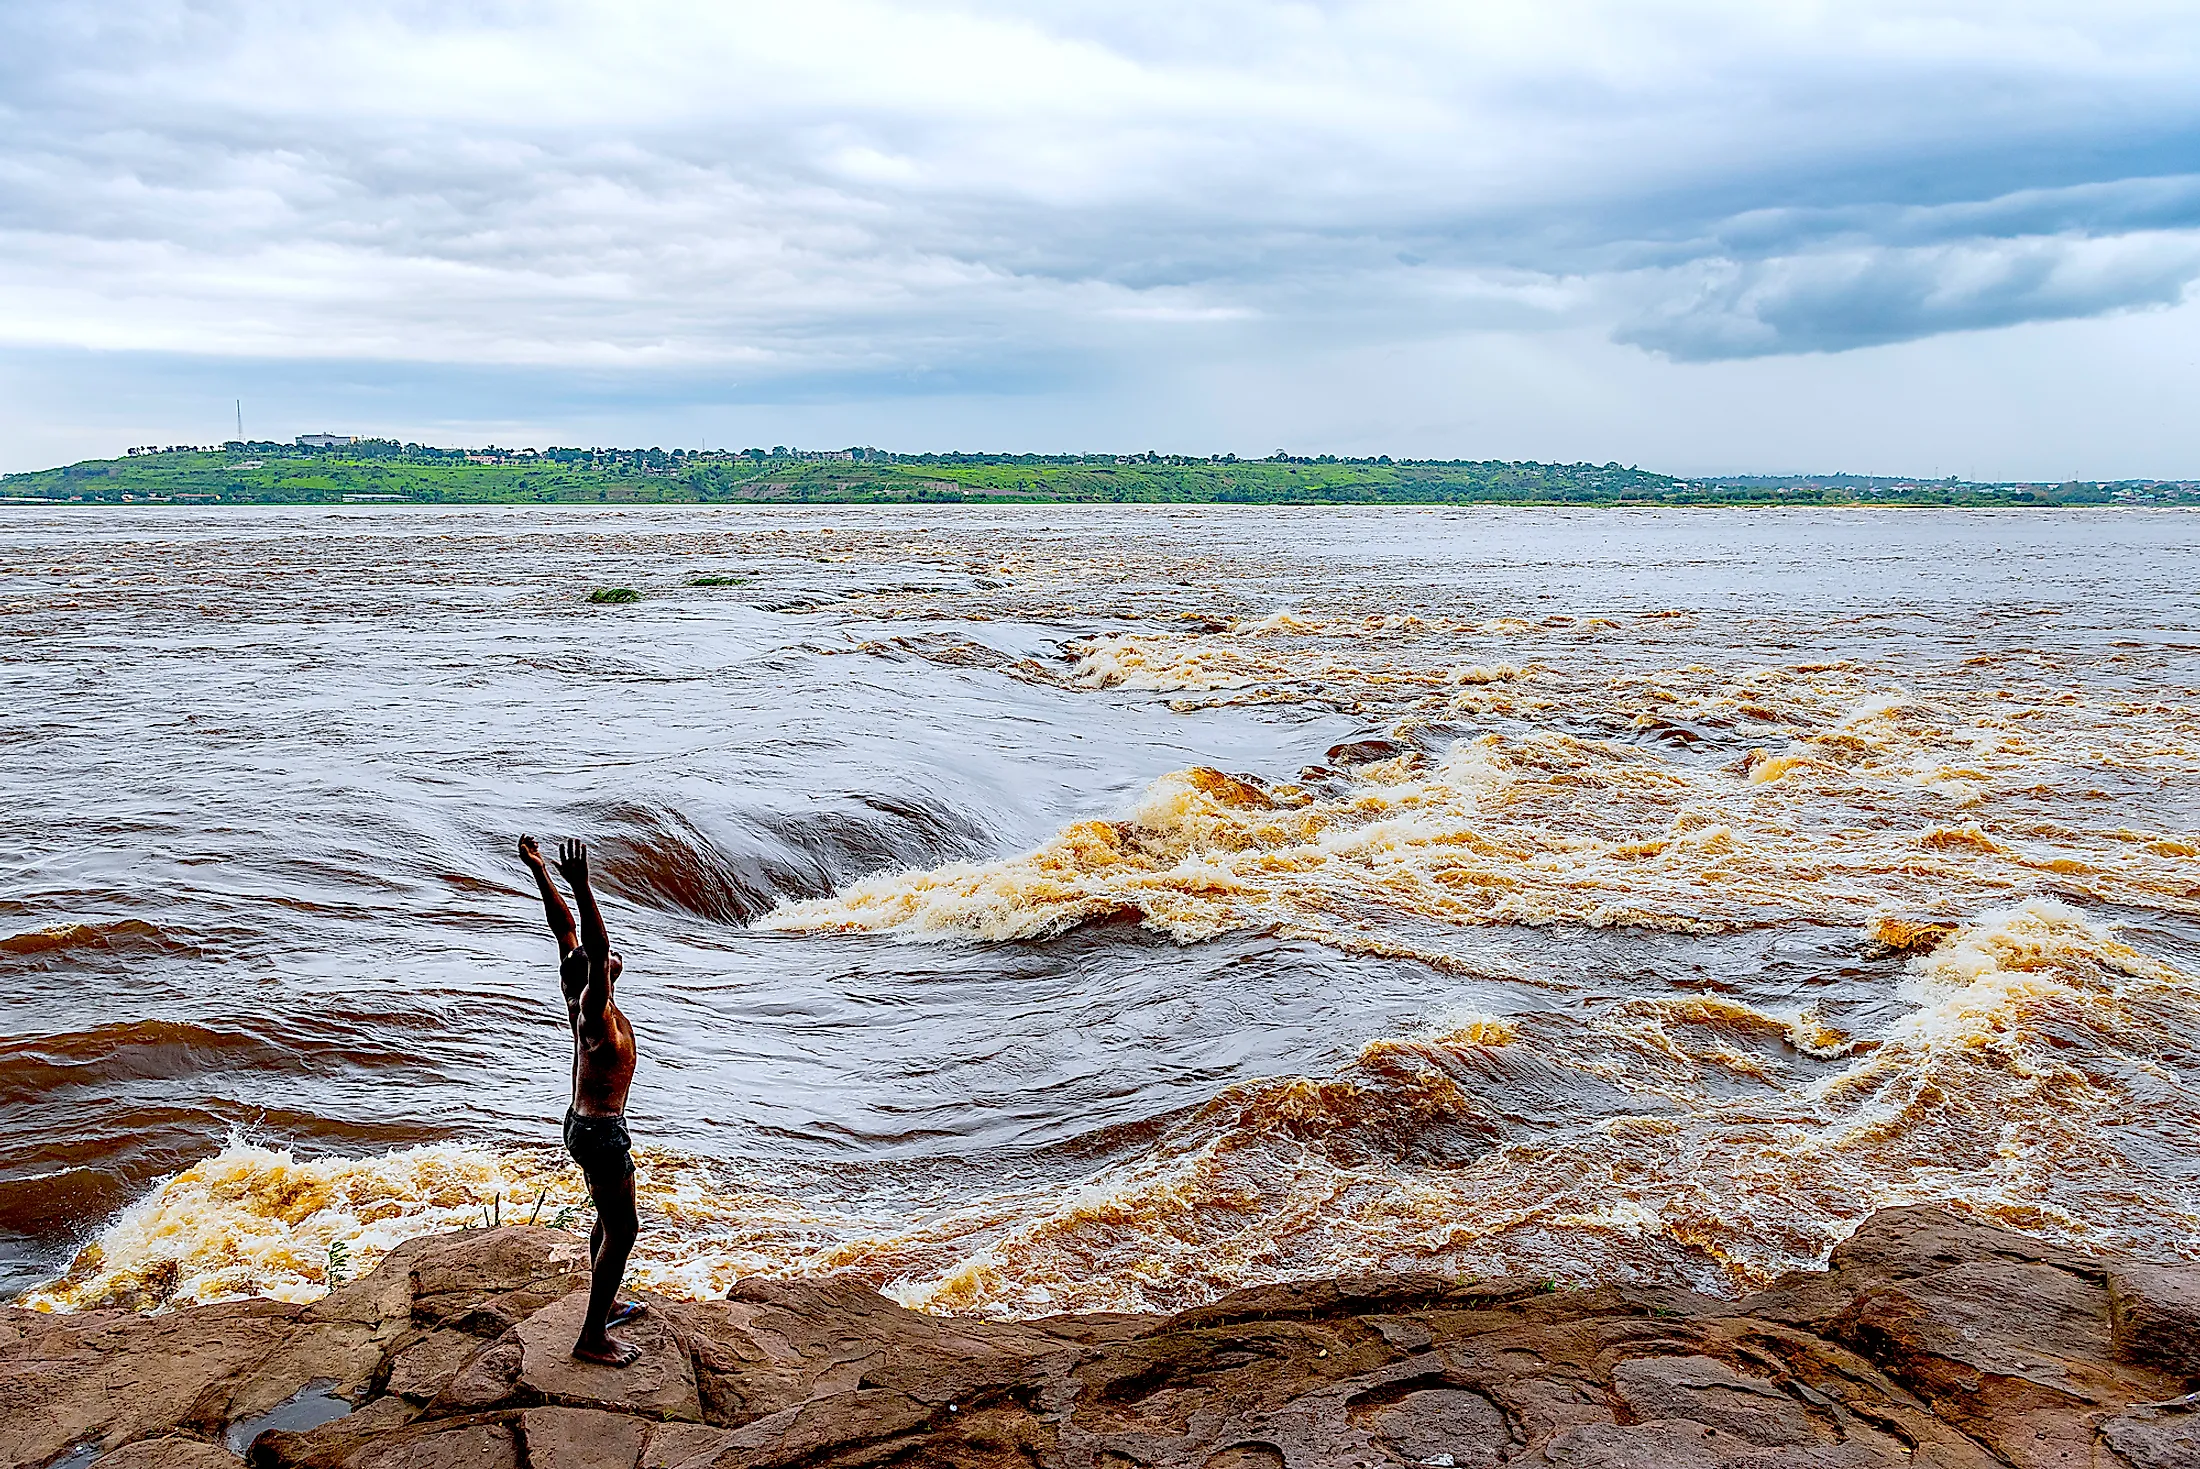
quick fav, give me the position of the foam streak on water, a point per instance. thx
(1028, 911)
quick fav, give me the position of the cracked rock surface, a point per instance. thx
(1929, 1341)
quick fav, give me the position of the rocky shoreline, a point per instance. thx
(1929, 1341)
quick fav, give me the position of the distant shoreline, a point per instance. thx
(880, 502)
(387, 473)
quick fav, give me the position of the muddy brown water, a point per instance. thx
(1001, 930)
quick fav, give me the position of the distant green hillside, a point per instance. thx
(382, 471)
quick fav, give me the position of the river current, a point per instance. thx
(1037, 909)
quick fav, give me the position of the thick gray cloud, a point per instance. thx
(1920, 272)
(899, 196)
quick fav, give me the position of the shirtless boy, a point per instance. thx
(595, 1123)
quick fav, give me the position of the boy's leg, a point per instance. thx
(618, 1222)
(622, 1311)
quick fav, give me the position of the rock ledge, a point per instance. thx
(1929, 1341)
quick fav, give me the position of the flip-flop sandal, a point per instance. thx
(625, 1311)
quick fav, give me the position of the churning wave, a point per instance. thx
(746, 865)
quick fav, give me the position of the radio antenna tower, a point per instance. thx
(240, 420)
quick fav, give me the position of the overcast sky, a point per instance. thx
(1933, 238)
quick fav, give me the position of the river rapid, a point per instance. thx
(1060, 908)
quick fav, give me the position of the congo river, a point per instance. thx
(1030, 909)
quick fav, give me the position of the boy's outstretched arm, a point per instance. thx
(573, 862)
(554, 910)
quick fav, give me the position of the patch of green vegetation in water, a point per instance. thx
(718, 581)
(614, 596)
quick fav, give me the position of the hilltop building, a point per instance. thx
(326, 441)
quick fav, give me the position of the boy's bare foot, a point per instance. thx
(607, 1352)
(624, 1312)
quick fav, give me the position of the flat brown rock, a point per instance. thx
(487, 1281)
(463, 1446)
(1432, 1424)
(426, 1366)
(487, 1379)
(2015, 1352)
(1704, 1390)
(169, 1453)
(1685, 1444)
(878, 1424)
(382, 1297)
(334, 1444)
(581, 1438)
(343, 1355)
(660, 1384)
(2157, 1435)
(108, 1377)
(2154, 1311)
(674, 1444)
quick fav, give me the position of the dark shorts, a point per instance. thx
(599, 1144)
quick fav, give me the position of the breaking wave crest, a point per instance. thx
(659, 856)
(1529, 828)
